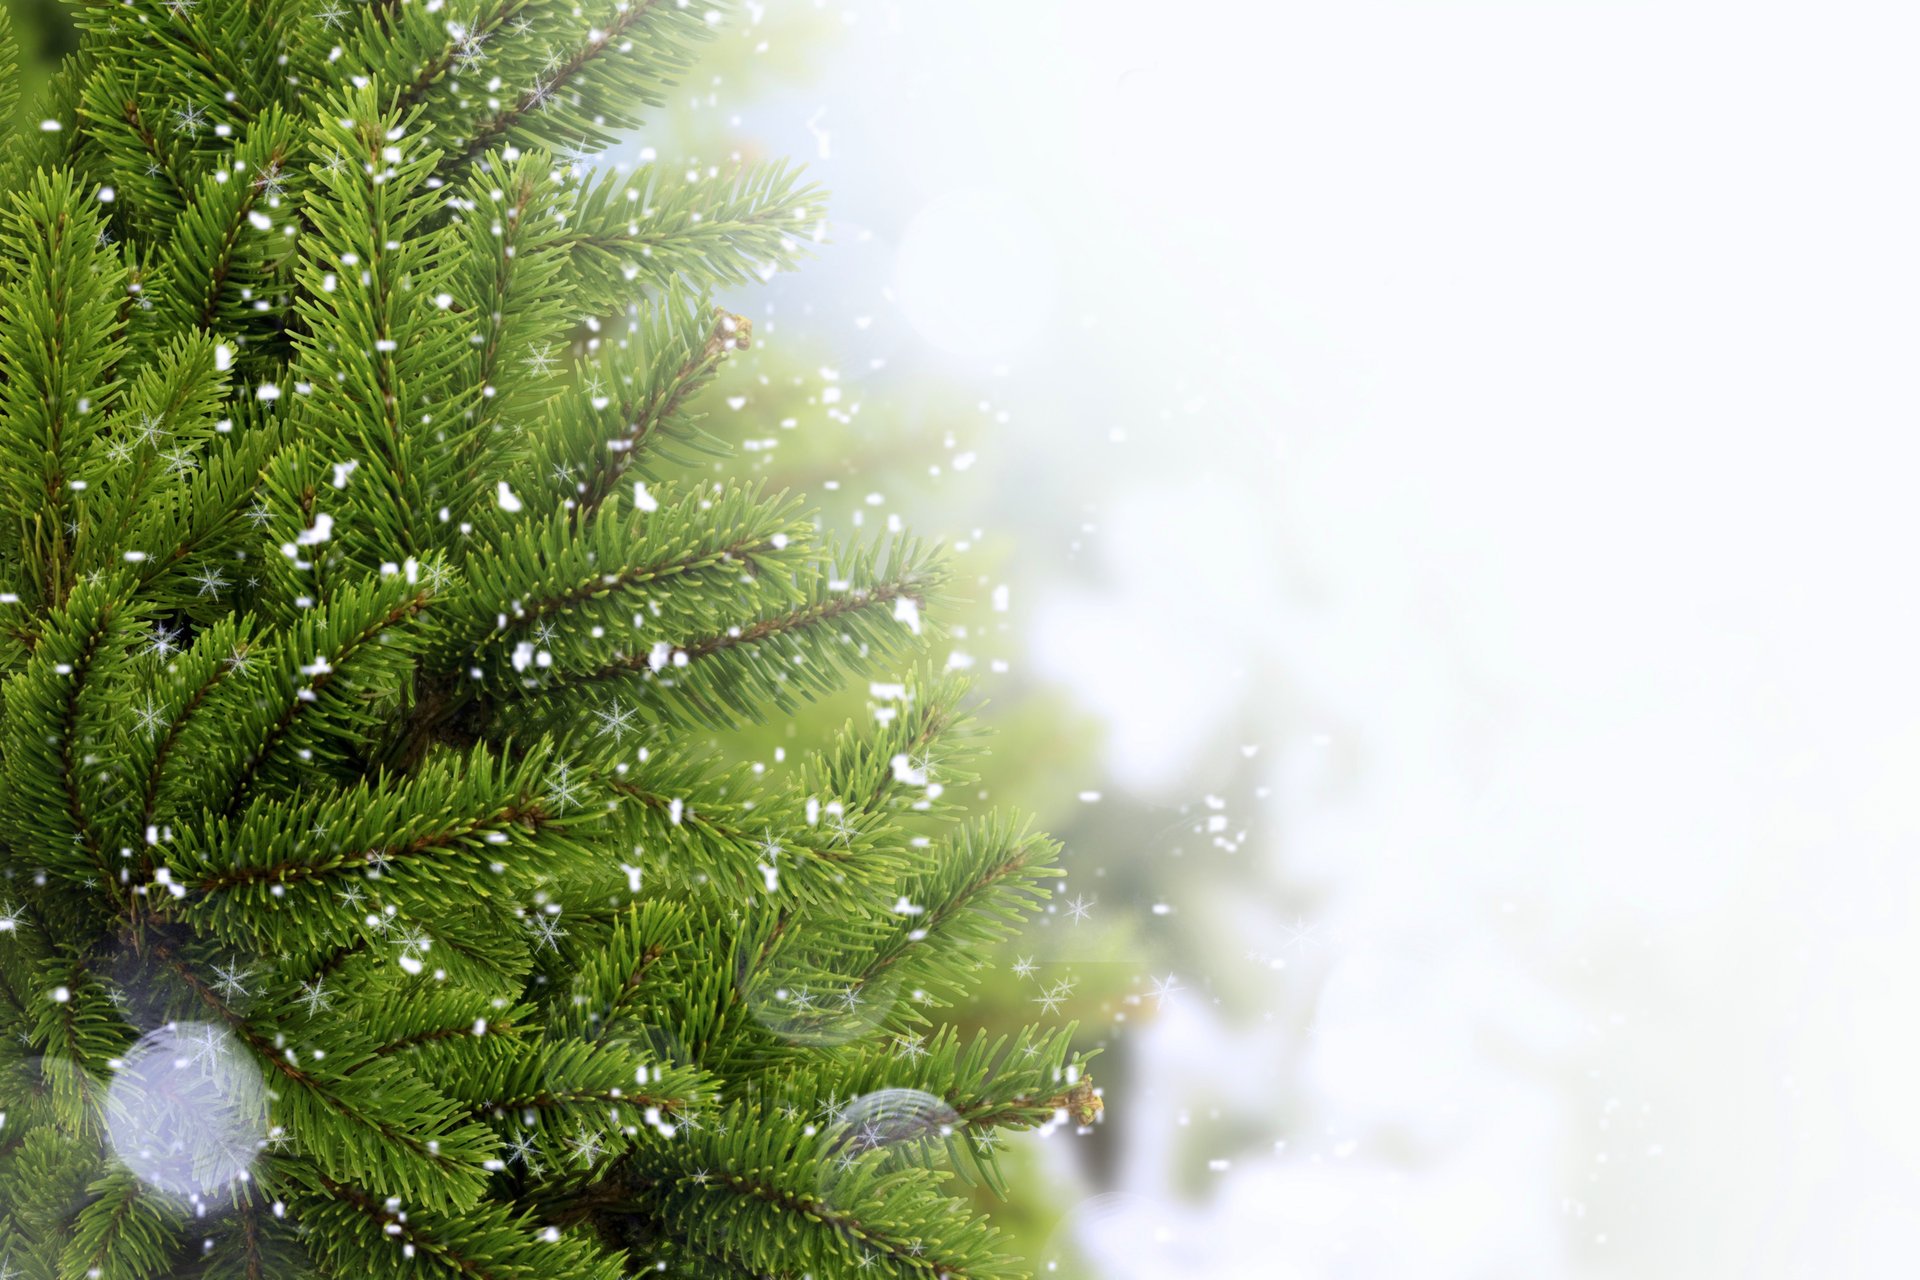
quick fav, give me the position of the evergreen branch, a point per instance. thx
(126, 1232)
(690, 234)
(116, 111)
(351, 1115)
(9, 68)
(196, 679)
(420, 753)
(210, 246)
(634, 402)
(472, 35)
(561, 74)
(80, 1034)
(257, 1242)
(270, 875)
(61, 291)
(620, 977)
(358, 1233)
(776, 1178)
(348, 633)
(872, 607)
(977, 893)
(47, 809)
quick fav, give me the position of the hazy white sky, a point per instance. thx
(1518, 394)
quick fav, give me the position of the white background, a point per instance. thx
(1511, 406)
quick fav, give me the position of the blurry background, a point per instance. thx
(1435, 480)
(1453, 461)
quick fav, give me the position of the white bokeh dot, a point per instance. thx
(187, 1111)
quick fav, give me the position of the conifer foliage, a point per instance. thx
(375, 900)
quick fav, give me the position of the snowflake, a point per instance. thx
(165, 640)
(467, 54)
(10, 917)
(615, 721)
(211, 580)
(181, 7)
(315, 996)
(1023, 967)
(548, 929)
(231, 978)
(586, 1148)
(564, 791)
(412, 939)
(521, 1148)
(189, 119)
(1078, 909)
(541, 361)
(911, 1045)
(1301, 933)
(838, 824)
(207, 1042)
(240, 661)
(1164, 989)
(150, 717)
(331, 15)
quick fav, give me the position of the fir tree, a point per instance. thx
(374, 903)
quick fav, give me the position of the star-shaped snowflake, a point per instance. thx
(586, 1147)
(616, 722)
(547, 930)
(210, 580)
(314, 996)
(149, 717)
(163, 641)
(540, 361)
(564, 790)
(230, 979)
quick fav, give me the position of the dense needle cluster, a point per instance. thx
(373, 899)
